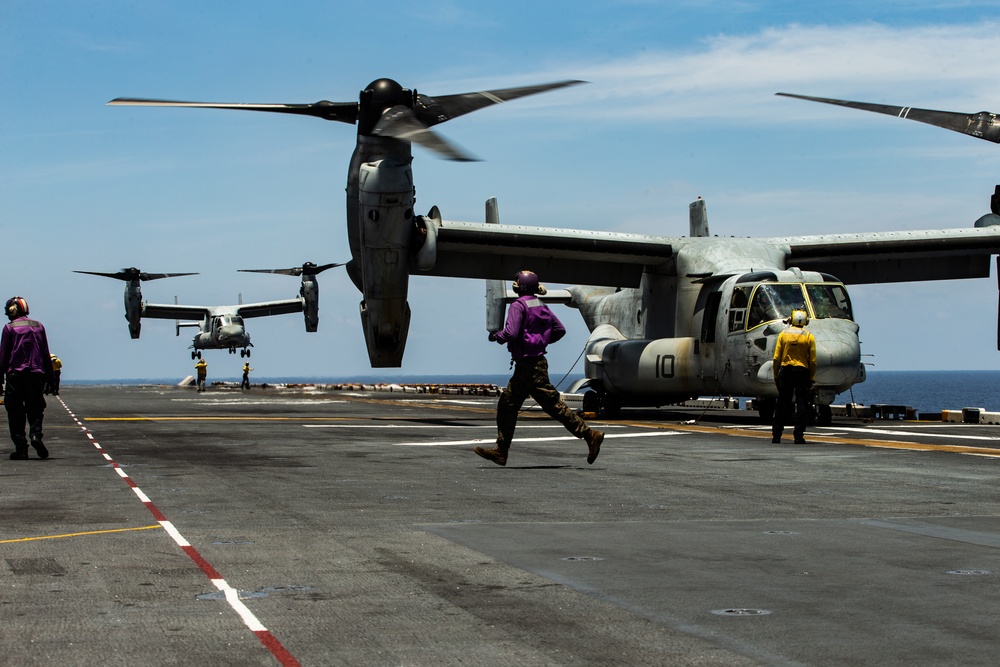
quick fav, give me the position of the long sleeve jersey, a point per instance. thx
(530, 327)
(24, 348)
(796, 347)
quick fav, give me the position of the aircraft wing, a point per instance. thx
(485, 250)
(266, 308)
(887, 257)
(173, 311)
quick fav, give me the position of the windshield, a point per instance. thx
(830, 301)
(776, 301)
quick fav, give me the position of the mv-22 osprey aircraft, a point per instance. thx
(219, 327)
(671, 317)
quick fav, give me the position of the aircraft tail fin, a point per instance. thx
(496, 290)
(177, 323)
(496, 305)
(497, 293)
(698, 218)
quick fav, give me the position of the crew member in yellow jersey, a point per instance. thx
(795, 372)
(202, 368)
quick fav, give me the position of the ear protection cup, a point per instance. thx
(16, 307)
(526, 282)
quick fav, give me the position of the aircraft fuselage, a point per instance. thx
(702, 332)
(223, 332)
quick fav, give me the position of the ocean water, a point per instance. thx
(925, 391)
(929, 391)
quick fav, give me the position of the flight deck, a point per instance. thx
(288, 526)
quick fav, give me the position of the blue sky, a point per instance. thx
(680, 104)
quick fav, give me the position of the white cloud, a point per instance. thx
(735, 76)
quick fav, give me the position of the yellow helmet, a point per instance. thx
(799, 318)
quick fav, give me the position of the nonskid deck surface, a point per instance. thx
(295, 526)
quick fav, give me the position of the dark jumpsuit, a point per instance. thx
(27, 367)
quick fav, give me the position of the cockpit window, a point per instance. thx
(738, 307)
(774, 301)
(830, 301)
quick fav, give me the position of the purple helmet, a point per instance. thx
(526, 282)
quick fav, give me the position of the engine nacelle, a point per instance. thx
(662, 367)
(309, 291)
(386, 197)
(133, 307)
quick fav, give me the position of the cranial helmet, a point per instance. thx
(799, 318)
(16, 307)
(526, 282)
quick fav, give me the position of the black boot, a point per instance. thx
(20, 452)
(40, 449)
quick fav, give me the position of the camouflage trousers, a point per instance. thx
(531, 378)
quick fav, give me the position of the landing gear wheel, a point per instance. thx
(591, 402)
(612, 406)
(765, 409)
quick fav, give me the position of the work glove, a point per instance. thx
(493, 336)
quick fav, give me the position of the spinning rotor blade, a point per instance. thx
(345, 112)
(402, 123)
(385, 108)
(434, 110)
(308, 269)
(984, 125)
(406, 124)
(133, 273)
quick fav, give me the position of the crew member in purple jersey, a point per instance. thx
(530, 327)
(26, 365)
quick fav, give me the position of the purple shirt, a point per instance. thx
(24, 348)
(531, 326)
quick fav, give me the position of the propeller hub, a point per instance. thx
(378, 97)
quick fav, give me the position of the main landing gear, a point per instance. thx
(602, 403)
(196, 354)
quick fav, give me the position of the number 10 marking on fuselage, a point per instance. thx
(664, 365)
